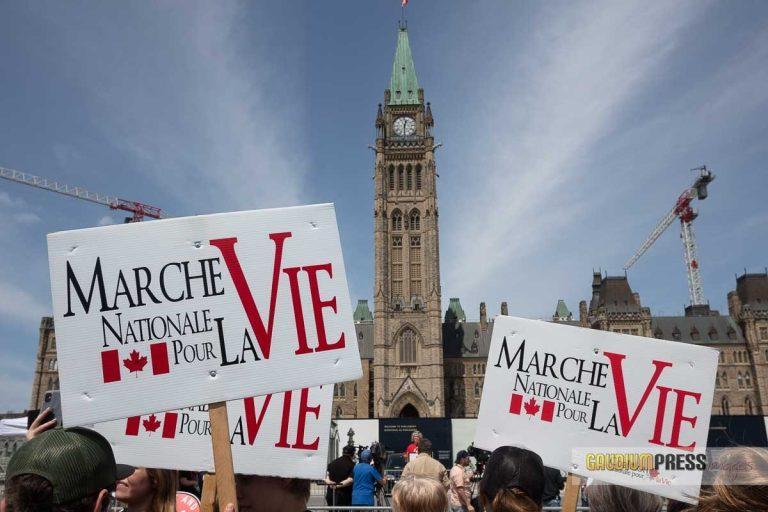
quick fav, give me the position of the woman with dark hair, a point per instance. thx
(513, 481)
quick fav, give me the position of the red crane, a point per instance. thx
(683, 210)
(137, 210)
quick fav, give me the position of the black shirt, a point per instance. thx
(339, 470)
(553, 483)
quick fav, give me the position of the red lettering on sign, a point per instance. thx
(227, 248)
(304, 409)
(252, 423)
(317, 306)
(621, 393)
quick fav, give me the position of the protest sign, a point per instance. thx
(284, 434)
(175, 313)
(599, 404)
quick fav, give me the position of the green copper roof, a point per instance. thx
(362, 313)
(562, 310)
(455, 311)
(403, 87)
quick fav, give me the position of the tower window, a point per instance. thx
(397, 221)
(400, 177)
(415, 223)
(408, 347)
(409, 182)
(391, 177)
(418, 176)
(748, 406)
(725, 407)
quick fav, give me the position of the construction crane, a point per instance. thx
(686, 214)
(137, 210)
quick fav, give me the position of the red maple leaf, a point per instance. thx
(136, 362)
(531, 407)
(151, 424)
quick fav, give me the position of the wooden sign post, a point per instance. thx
(222, 456)
(571, 495)
(208, 496)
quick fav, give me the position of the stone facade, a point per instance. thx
(46, 365)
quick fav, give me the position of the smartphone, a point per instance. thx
(52, 399)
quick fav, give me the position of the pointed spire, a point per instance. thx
(403, 86)
(362, 313)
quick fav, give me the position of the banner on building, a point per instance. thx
(174, 313)
(622, 409)
(283, 434)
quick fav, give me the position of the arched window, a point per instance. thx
(338, 412)
(739, 380)
(748, 409)
(477, 389)
(748, 379)
(397, 220)
(408, 347)
(391, 177)
(418, 176)
(409, 180)
(400, 177)
(50, 384)
(415, 223)
(725, 407)
(717, 380)
(355, 390)
(725, 380)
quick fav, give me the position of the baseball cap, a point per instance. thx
(365, 456)
(77, 461)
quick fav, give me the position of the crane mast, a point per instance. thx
(137, 210)
(683, 210)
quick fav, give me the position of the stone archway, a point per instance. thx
(409, 402)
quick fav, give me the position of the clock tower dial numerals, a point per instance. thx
(404, 126)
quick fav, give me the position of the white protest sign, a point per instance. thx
(591, 401)
(161, 315)
(283, 434)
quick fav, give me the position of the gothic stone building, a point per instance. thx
(420, 362)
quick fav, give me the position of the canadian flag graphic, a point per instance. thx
(151, 423)
(110, 362)
(531, 407)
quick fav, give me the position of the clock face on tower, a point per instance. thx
(405, 126)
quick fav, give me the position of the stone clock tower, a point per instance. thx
(408, 350)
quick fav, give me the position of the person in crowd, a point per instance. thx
(613, 498)
(61, 470)
(513, 481)
(677, 506)
(424, 465)
(188, 482)
(460, 492)
(554, 483)
(339, 478)
(740, 484)
(418, 494)
(413, 449)
(271, 493)
(148, 490)
(365, 479)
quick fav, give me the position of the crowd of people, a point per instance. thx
(74, 470)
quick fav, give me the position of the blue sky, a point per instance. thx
(568, 131)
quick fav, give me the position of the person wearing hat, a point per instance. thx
(339, 478)
(63, 469)
(459, 492)
(365, 479)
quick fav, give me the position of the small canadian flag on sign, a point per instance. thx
(135, 363)
(531, 407)
(151, 424)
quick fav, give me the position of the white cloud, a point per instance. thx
(201, 102)
(7, 201)
(19, 306)
(106, 220)
(26, 218)
(574, 80)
